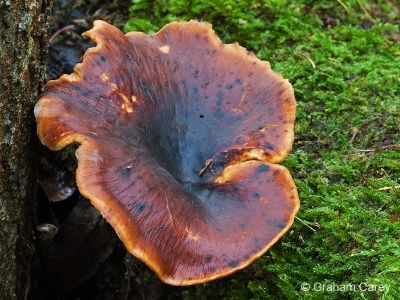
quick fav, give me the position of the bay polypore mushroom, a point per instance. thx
(179, 138)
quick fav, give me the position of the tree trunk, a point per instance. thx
(23, 51)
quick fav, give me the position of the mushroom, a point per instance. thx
(179, 138)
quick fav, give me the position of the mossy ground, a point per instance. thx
(343, 60)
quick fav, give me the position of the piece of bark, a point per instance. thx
(23, 51)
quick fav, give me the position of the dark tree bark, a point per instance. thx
(23, 51)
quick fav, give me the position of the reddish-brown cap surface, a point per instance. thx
(179, 135)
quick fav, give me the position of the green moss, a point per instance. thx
(342, 58)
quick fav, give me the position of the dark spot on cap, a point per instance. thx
(126, 172)
(281, 225)
(233, 263)
(139, 207)
(269, 146)
(201, 116)
(229, 86)
(84, 93)
(144, 86)
(256, 195)
(263, 168)
(270, 223)
(276, 172)
(131, 72)
(219, 97)
(239, 139)
(218, 114)
(103, 59)
(204, 85)
(195, 73)
(208, 258)
(243, 225)
(174, 66)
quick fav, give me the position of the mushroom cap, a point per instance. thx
(179, 138)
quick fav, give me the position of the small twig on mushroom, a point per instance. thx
(307, 57)
(267, 127)
(305, 224)
(354, 132)
(389, 188)
(205, 166)
(59, 31)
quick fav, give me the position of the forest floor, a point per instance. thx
(343, 61)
